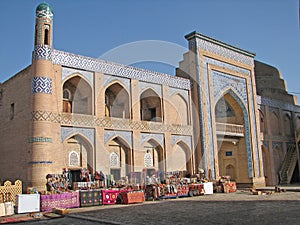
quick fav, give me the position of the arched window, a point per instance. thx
(74, 159)
(117, 102)
(67, 101)
(148, 159)
(77, 96)
(151, 109)
(46, 37)
(114, 160)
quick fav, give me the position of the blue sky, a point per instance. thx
(269, 28)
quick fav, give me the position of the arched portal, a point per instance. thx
(153, 158)
(77, 96)
(231, 132)
(180, 158)
(79, 155)
(120, 158)
(117, 102)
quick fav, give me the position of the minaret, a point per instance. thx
(44, 102)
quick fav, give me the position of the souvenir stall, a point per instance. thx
(225, 185)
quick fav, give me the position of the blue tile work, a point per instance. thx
(255, 131)
(278, 104)
(160, 138)
(40, 162)
(237, 87)
(186, 139)
(41, 85)
(88, 133)
(225, 52)
(183, 93)
(226, 65)
(68, 72)
(39, 139)
(42, 52)
(155, 87)
(108, 79)
(222, 82)
(102, 66)
(210, 137)
(125, 135)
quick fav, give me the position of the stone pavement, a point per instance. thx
(237, 208)
(234, 208)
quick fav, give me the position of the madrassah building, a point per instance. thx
(223, 112)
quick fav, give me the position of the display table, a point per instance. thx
(196, 189)
(132, 197)
(109, 197)
(182, 190)
(64, 200)
(229, 187)
(90, 198)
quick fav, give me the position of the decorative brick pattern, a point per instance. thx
(66, 119)
(41, 85)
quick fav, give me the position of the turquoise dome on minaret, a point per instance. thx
(44, 10)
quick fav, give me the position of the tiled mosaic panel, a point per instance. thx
(68, 72)
(108, 79)
(125, 135)
(42, 52)
(39, 139)
(67, 132)
(183, 93)
(222, 82)
(111, 123)
(159, 138)
(225, 52)
(157, 88)
(41, 85)
(226, 65)
(186, 139)
(102, 66)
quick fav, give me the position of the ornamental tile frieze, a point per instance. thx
(102, 66)
(225, 52)
(66, 119)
